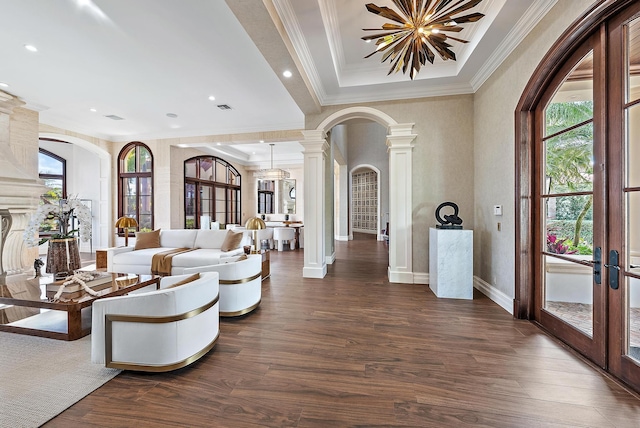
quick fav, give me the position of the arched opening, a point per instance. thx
(318, 165)
(88, 177)
(365, 201)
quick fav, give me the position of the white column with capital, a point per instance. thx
(400, 142)
(315, 155)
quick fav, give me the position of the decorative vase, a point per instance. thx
(286, 217)
(63, 256)
(263, 216)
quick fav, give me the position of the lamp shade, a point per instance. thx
(126, 222)
(255, 223)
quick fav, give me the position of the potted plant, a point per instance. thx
(63, 255)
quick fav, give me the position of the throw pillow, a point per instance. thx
(147, 240)
(231, 241)
(187, 280)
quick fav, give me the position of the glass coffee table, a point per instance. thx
(27, 306)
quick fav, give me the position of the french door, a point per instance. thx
(587, 199)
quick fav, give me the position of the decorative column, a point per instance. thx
(400, 144)
(315, 155)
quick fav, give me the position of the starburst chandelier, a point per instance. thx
(421, 25)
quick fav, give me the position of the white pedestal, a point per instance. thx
(451, 263)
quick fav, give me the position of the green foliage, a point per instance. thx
(570, 207)
(564, 229)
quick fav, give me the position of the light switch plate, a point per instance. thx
(497, 210)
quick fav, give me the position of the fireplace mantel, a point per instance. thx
(19, 195)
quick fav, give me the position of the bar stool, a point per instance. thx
(282, 234)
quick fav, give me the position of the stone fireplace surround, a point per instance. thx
(19, 196)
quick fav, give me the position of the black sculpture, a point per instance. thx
(451, 221)
(37, 266)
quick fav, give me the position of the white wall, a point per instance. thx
(494, 148)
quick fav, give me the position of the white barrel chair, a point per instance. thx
(240, 284)
(159, 330)
(281, 234)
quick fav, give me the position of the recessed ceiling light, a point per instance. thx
(31, 48)
(262, 141)
(4, 85)
(287, 74)
(219, 144)
(93, 110)
(175, 126)
(212, 98)
(172, 115)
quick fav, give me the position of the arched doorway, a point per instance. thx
(317, 166)
(601, 276)
(98, 181)
(365, 201)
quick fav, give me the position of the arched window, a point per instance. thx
(52, 169)
(135, 184)
(212, 188)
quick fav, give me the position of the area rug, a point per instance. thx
(39, 378)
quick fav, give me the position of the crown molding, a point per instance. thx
(292, 27)
(528, 21)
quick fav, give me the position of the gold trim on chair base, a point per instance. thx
(240, 312)
(108, 339)
(166, 367)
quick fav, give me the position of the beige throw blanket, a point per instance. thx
(161, 262)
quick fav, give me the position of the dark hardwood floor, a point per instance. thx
(354, 350)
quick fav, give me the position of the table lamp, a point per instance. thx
(254, 224)
(126, 223)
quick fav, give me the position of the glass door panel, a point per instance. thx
(631, 264)
(567, 196)
(624, 197)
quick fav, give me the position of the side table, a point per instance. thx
(266, 263)
(101, 259)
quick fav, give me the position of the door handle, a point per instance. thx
(597, 262)
(614, 273)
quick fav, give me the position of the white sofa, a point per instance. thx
(240, 284)
(207, 251)
(159, 330)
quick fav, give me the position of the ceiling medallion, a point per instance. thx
(420, 23)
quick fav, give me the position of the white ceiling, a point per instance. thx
(143, 59)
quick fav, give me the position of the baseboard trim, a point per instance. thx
(314, 272)
(420, 278)
(342, 237)
(330, 259)
(497, 296)
(400, 277)
(501, 299)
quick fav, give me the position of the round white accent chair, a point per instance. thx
(281, 234)
(160, 330)
(240, 284)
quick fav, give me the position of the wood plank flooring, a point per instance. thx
(354, 350)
